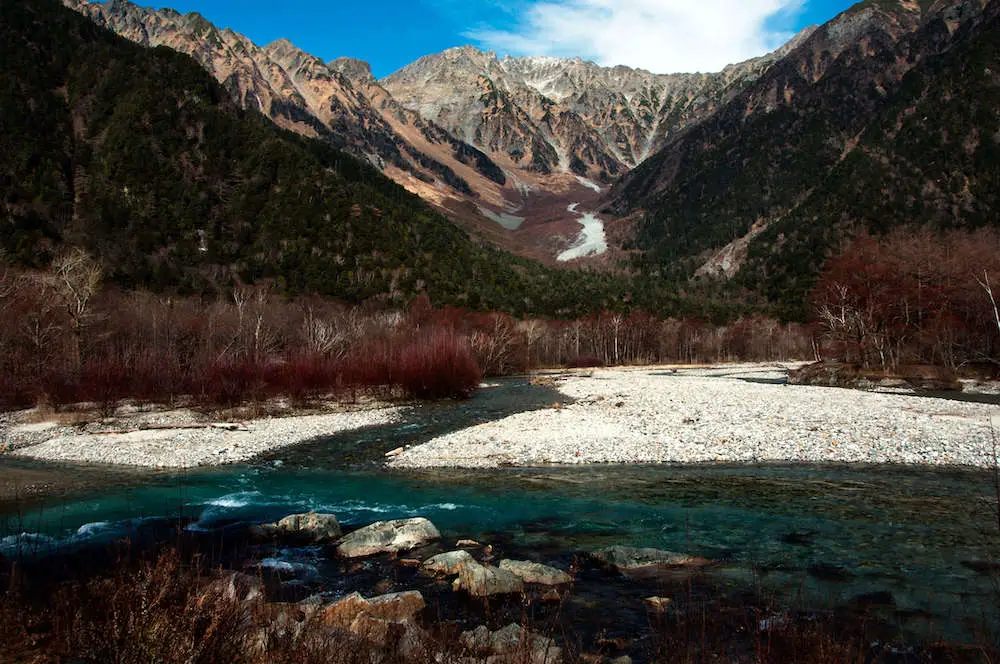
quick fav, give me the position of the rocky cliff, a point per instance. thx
(554, 114)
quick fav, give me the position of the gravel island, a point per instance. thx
(731, 414)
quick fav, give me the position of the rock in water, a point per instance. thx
(625, 558)
(313, 527)
(530, 572)
(485, 581)
(388, 537)
(449, 563)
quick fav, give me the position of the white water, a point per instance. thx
(590, 242)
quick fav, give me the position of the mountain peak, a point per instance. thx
(353, 68)
(282, 44)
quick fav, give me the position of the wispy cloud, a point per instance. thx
(663, 36)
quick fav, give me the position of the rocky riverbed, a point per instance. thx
(176, 438)
(727, 414)
(732, 414)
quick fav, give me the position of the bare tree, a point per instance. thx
(75, 278)
(985, 283)
(493, 346)
(532, 330)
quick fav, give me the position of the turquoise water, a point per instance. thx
(814, 535)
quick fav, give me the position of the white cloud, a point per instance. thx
(663, 36)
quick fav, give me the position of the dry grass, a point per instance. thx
(168, 611)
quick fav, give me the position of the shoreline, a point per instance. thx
(733, 414)
(736, 414)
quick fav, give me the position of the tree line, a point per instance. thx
(66, 336)
(912, 297)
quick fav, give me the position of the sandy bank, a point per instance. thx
(717, 415)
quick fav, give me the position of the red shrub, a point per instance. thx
(584, 361)
(437, 364)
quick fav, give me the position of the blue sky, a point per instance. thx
(660, 35)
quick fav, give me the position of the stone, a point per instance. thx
(531, 572)
(239, 587)
(552, 595)
(476, 640)
(343, 612)
(397, 606)
(625, 558)
(311, 526)
(511, 645)
(485, 580)
(394, 607)
(388, 537)
(658, 604)
(449, 563)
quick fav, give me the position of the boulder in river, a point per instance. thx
(485, 581)
(627, 558)
(388, 537)
(657, 604)
(449, 563)
(311, 526)
(531, 572)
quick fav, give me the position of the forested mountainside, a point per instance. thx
(140, 157)
(339, 101)
(886, 116)
(477, 136)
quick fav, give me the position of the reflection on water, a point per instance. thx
(921, 536)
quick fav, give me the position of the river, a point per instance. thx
(919, 538)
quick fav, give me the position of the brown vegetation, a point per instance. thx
(65, 340)
(174, 610)
(912, 298)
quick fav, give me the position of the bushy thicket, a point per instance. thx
(912, 297)
(66, 338)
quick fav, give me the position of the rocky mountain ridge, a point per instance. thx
(503, 146)
(555, 114)
(878, 119)
(339, 101)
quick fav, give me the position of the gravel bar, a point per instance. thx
(716, 415)
(210, 445)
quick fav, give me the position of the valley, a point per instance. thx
(498, 358)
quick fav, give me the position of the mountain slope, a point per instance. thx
(342, 103)
(886, 115)
(551, 114)
(141, 157)
(336, 101)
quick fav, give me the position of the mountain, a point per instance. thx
(138, 155)
(339, 101)
(504, 147)
(546, 114)
(887, 115)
